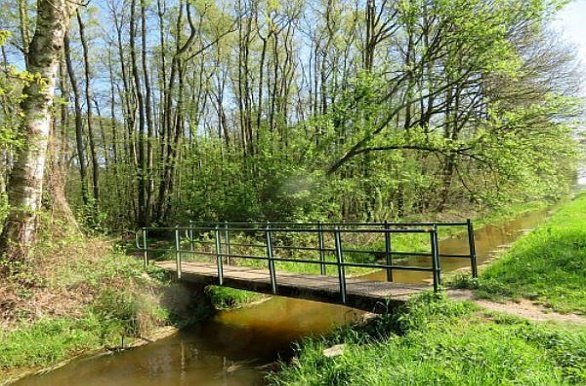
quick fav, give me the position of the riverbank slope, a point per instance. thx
(548, 266)
(81, 294)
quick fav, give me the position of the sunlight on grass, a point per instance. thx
(436, 341)
(548, 265)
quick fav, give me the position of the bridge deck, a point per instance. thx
(363, 294)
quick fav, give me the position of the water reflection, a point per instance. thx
(180, 360)
(228, 350)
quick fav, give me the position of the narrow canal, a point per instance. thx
(235, 347)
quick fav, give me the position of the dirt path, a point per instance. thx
(523, 308)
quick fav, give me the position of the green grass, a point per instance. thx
(433, 341)
(120, 303)
(548, 265)
(52, 340)
(224, 298)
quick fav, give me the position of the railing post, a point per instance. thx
(340, 264)
(388, 256)
(437, 255)
(145, 246)
(272, 273)
(219, 261)
(435, 258)
(472, 246)
(227, 240)
(322, 254)
(191, 240)
(177, 253)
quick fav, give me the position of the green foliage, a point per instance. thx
(548, 265)
(3, 207)
(435, 341)
(118, 308)
(268, 186)
(91, 217)
(11, 83)
(464, 107)
(512, 156)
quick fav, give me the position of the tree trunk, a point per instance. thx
(26, 179)
(90, 123)
(78, 125)
(142, 215)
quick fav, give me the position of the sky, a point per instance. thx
(571, 22)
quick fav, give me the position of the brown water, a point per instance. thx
(231, 348)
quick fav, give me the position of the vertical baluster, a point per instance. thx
(437, 255)
(227, 241)
(272, 273)
(219, 261)
(177, 253)
(322, 254)
(388, 255)
(145, 246)
(472, 246)
(340, 264)
(435, 258)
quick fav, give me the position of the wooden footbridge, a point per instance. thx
(315, 261)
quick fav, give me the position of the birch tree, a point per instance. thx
(25, 186)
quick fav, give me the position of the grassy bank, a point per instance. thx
(548, 265)
(78, 294)
(435, 341)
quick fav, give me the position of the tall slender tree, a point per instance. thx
(26, 179)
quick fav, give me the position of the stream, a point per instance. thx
(232, 348)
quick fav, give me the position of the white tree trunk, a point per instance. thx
(25, 186)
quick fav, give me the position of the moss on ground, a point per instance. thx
(224, 298)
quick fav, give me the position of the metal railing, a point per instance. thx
(271, 242)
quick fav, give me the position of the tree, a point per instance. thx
(235, 109)
(25, 187)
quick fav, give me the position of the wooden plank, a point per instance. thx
(363, 294)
